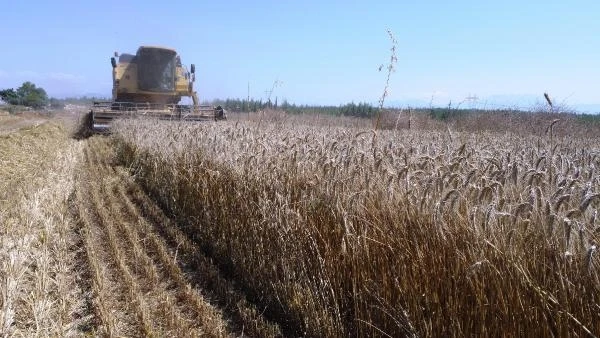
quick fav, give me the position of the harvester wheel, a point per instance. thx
(219, 113)
(89, 120)
(84, 127)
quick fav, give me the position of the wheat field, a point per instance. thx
(271, 225)
(346, 231)
(85, 252)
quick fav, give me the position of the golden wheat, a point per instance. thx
(341, 235)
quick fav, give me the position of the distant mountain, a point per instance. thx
(587, 108)
(521, 102)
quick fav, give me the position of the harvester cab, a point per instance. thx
(151, 83)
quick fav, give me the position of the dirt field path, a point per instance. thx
(145, 276)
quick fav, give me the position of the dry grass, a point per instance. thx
(520, 123)
(430, 232)
(318, 224)
(38, 294)
(83, 251)
(145, 276)
(11, 123)
(137, 289)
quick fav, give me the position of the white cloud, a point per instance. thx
(55, 83)
(64, 77)
(51, 76)
(26, 74)
(29, 75)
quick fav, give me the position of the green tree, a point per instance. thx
(32, 96)
(9, 96)
(27, 95)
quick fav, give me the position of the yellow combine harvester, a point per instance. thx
(151, 83)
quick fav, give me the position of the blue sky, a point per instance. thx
(324, 52)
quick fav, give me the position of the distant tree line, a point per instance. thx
(349, 109)
(27, 95)
(84, 100)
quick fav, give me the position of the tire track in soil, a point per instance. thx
(147, 278)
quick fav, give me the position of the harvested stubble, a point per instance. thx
(137, 287)
(39, 296)
(341, 231)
